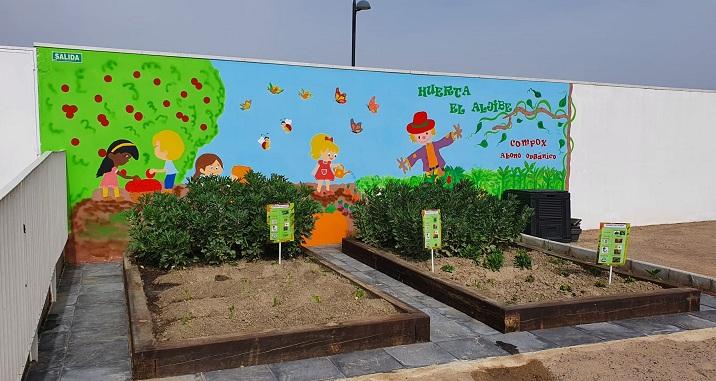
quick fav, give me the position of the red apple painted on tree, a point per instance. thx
(157, 81)
(129, 109)
(136, 74)
(98, 98)
(108, 78)
(65, 88)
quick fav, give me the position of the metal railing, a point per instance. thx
(33, 232)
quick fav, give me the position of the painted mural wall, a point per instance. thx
(135, 123)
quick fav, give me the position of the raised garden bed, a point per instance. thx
(180, 324)
(527, 316)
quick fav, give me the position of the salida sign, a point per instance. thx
(67, 57)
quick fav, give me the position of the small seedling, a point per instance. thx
(523, 260)
(564, 272)
(232, 312)
(530, 278)
(359, 293)
(186, 319)
(565, 288)
(276, 301)
(629, 279)
(494, 260)
(316, 299)
(187, 294)
(557, 261)
(595, 271)
(600, 283)
(476, 284)
(654, 273)
(448, 268)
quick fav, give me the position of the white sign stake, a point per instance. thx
(432, 259)
(279, 254)
(610, 274)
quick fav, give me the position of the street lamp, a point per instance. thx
(362, 5)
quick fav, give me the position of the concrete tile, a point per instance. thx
(98, 354)
(708, 315)
(49, 359)
(250, 373)
(422, 354)
(471, 348)
(704, 307)
(100, 269)
(519, 342)
(648, 326)
(358, 265)
(609, 331)
(566, 336)
(685, 321)
(478, 327)
(55, 323)
(443, 330)
(101, 298)
(365, 278)
(52, 374)
(186, 377)
(103, 373)
(67, 299)
(430, 302)
(365, 362)
(315, 369)
(91, 335)
(53, 341)
(708, 300)
(96, 280)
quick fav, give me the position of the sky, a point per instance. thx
(654, 42)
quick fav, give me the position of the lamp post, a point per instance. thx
(362, 5)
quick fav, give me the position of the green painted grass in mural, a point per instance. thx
(528, 176)
(105, 97)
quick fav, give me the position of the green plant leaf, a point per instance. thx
(503, 137)
(529, 102)
(519, 120)
(484, 143)
(537, 94)
(560, 124)
(540, 125)
(479, 127)
(561, 143)
(563, 102)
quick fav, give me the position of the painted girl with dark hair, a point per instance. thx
(118, 154)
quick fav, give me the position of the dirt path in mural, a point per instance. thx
(99, 231)
(686, 356)
(335, 221)
(689, 246)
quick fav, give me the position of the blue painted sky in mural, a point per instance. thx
(384, 138)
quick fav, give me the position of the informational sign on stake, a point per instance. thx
(613, 244)
(432, 233)
(280, 221)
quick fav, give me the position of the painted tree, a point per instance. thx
(86, 106)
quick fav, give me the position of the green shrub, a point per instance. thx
(600, 283)
(494, 260)
(218, 220)
(522, 260)
(473, 221)
(530, 278)
(565, 288)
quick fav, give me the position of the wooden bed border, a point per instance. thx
(151, 359)
(523, 317)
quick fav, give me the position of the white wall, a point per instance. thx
(19, 144)
(644, 156)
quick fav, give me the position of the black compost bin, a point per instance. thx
(551, 218)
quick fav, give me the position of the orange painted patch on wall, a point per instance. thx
(330, 228)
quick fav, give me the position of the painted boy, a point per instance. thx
(168, 146)
(422, 131)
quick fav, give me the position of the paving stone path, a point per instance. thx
(85, 336)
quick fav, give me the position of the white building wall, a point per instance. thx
(19, 143)
(645, 156)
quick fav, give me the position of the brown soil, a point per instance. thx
(532, 371)
(687, 246)
(250, 297)
(686, 356)
(510, 285)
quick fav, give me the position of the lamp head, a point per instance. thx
(362, 5)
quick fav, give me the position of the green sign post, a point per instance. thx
(613, 243)
(432, 233)
(280, 221)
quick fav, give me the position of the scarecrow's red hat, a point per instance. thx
(421, 123)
